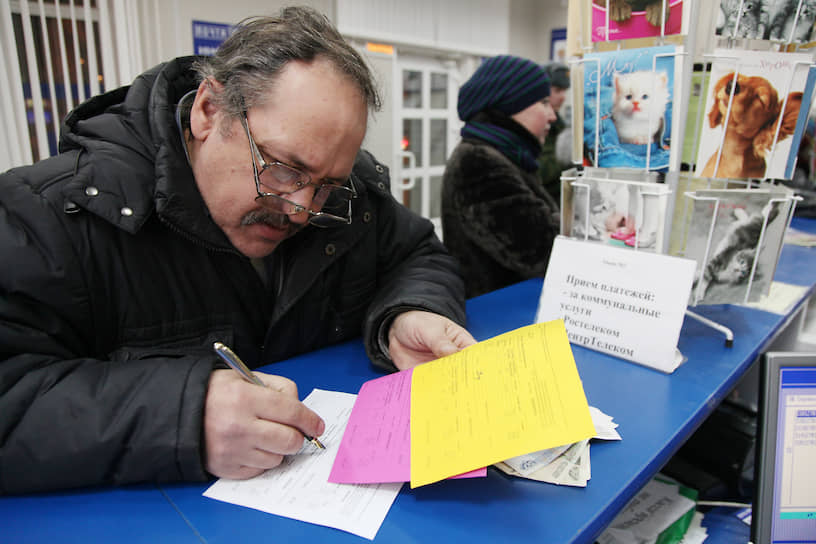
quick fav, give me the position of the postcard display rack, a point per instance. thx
(661, 162)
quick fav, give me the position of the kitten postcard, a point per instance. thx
(779, 20)
(757, 95)
(636, 19)
(628, 107)
(618, 212)
(736, 236)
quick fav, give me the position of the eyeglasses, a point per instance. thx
(331, 201)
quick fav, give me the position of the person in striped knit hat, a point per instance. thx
(496, 217)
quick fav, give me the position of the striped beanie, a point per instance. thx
(505, 83)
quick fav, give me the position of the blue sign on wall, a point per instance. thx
(208, 36)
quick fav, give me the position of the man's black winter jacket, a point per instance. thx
(116, 282)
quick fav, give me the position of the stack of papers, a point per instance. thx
(510, 395)
(696, 533)
(660, 510)
(562, 465)
(376, 445)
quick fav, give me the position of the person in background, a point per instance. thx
(214, 199)
(551, 161)
(496, 217)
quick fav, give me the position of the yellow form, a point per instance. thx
(507, 396)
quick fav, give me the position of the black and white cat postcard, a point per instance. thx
(789, 21)
(682, 210)
(735, 236)
(628, 103)
(752, 107)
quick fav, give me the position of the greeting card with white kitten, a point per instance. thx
(639, 105)
(628, 107)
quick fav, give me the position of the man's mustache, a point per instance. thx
(274, 220)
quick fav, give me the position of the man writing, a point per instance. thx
(220, 199)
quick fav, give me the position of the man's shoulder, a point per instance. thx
(40, 180)
(33, 223)
(76, 181)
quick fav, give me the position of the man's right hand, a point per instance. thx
(248, 429)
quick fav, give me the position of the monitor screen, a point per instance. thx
(784, 508)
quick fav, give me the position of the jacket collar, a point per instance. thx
(132, 162)
(177, 198)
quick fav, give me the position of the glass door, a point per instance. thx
(428, 128)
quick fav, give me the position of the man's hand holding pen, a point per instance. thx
(251, 420)
(248, 429)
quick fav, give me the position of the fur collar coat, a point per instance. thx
(497, 219)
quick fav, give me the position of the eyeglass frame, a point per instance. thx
(255, 153)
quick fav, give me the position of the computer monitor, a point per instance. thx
(784, 508)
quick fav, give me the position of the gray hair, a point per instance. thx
(248, 62)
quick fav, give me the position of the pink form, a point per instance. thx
(376, 445)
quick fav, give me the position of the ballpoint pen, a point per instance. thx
(238, 365)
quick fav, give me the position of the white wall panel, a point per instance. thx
(470, 24)
(177, 16)
(473, 26)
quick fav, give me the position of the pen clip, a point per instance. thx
(236, 363)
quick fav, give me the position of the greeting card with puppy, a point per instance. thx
(751, 111)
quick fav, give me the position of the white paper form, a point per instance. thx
(299, 487)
